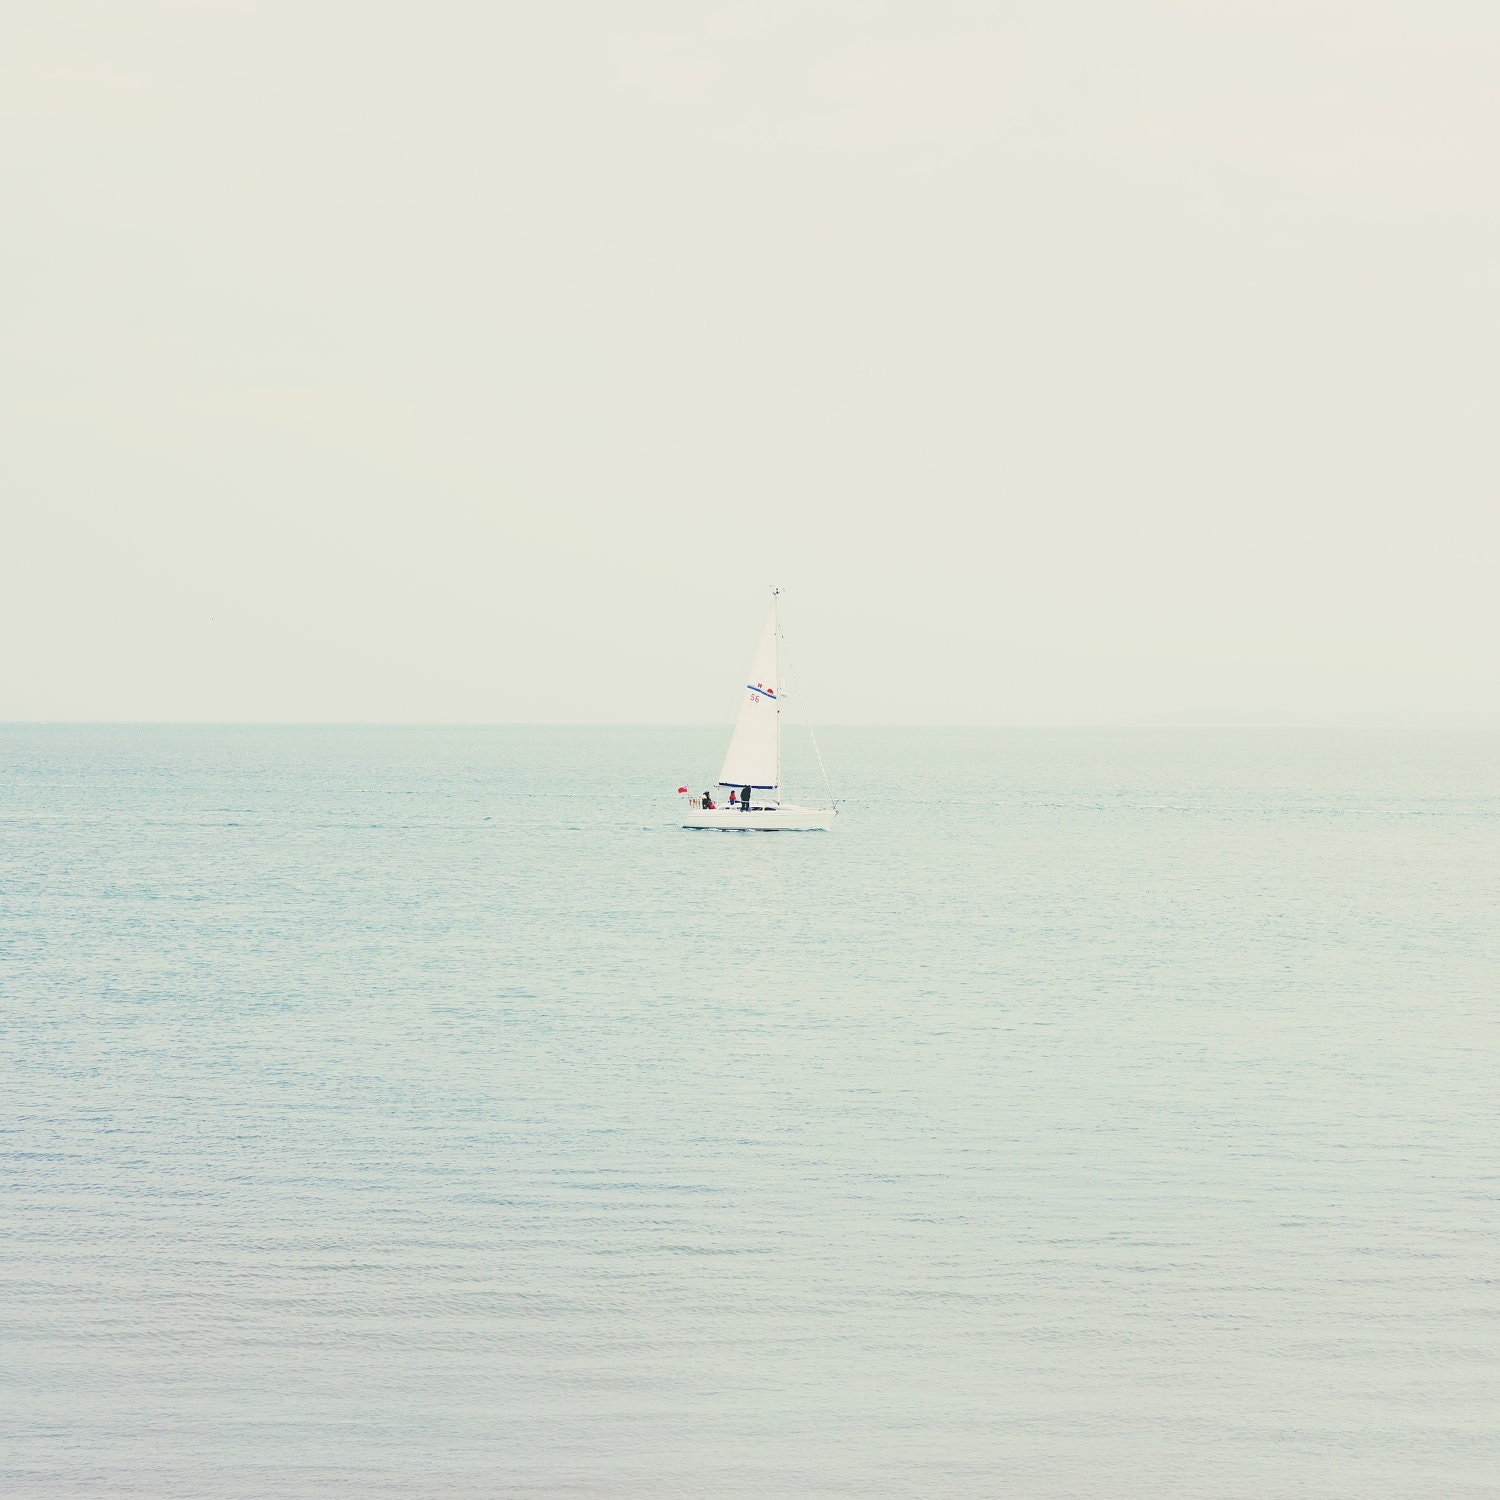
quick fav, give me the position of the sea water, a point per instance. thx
(419, 1112)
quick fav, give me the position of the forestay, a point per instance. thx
(754, 757)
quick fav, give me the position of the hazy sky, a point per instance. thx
(1064, 362)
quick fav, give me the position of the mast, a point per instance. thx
(780, 685)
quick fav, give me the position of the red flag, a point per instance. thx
(682, 789)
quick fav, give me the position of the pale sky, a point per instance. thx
(1064, 362)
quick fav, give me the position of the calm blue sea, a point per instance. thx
(418, 1112)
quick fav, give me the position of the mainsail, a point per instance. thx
(754, 757)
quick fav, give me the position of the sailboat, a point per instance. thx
(753, 762)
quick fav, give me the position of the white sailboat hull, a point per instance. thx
(760, 819)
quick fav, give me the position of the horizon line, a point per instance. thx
(1299, 726)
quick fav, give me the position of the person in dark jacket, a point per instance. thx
(708, 802)
(745, 799)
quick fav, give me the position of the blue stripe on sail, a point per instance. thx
(762, 691)
(755, 786)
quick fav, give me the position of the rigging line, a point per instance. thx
(812, 733)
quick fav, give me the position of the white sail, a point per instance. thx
(754, 757)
